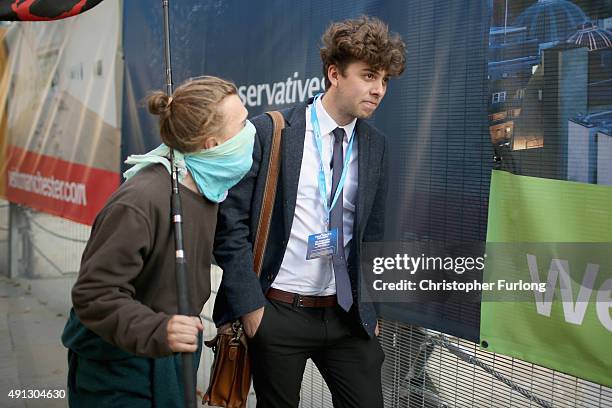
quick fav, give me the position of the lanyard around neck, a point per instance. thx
(322, 180)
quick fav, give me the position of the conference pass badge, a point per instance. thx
(322, 244)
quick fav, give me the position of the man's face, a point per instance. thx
(359, 90)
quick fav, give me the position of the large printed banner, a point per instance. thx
(57, 186)
(4, 80)
(554, 239)
(64, 113)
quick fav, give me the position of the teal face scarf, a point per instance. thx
(213, 170)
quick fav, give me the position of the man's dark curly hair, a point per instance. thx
(364, 39)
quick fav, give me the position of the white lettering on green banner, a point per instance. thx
(558, 233)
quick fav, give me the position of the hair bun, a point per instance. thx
(159, 102)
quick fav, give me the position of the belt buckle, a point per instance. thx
(298, 300)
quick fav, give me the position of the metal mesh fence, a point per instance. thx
(49, 247)
(424, 368)
(57, 244)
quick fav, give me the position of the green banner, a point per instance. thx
(557, 234)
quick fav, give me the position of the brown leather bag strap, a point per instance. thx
(261, 238)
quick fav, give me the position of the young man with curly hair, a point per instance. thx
(331, 198)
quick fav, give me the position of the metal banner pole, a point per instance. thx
(177, 219)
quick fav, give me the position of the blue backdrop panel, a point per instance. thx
(435, 115)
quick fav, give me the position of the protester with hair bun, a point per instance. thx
(124, 328)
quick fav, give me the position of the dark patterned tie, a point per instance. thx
(343, 284)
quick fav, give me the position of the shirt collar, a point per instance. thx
(326, 123)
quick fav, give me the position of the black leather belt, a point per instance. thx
(301, 300)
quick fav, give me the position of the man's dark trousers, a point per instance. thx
(348, 359)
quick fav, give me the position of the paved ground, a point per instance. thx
(31, 354)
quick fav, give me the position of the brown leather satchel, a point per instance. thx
(230, 376)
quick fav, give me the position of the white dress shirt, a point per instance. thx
(315, 276)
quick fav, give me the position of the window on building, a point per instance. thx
(498, 97)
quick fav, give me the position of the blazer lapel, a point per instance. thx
(363, 157)
(291, 162)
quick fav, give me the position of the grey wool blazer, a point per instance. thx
(241, 291)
